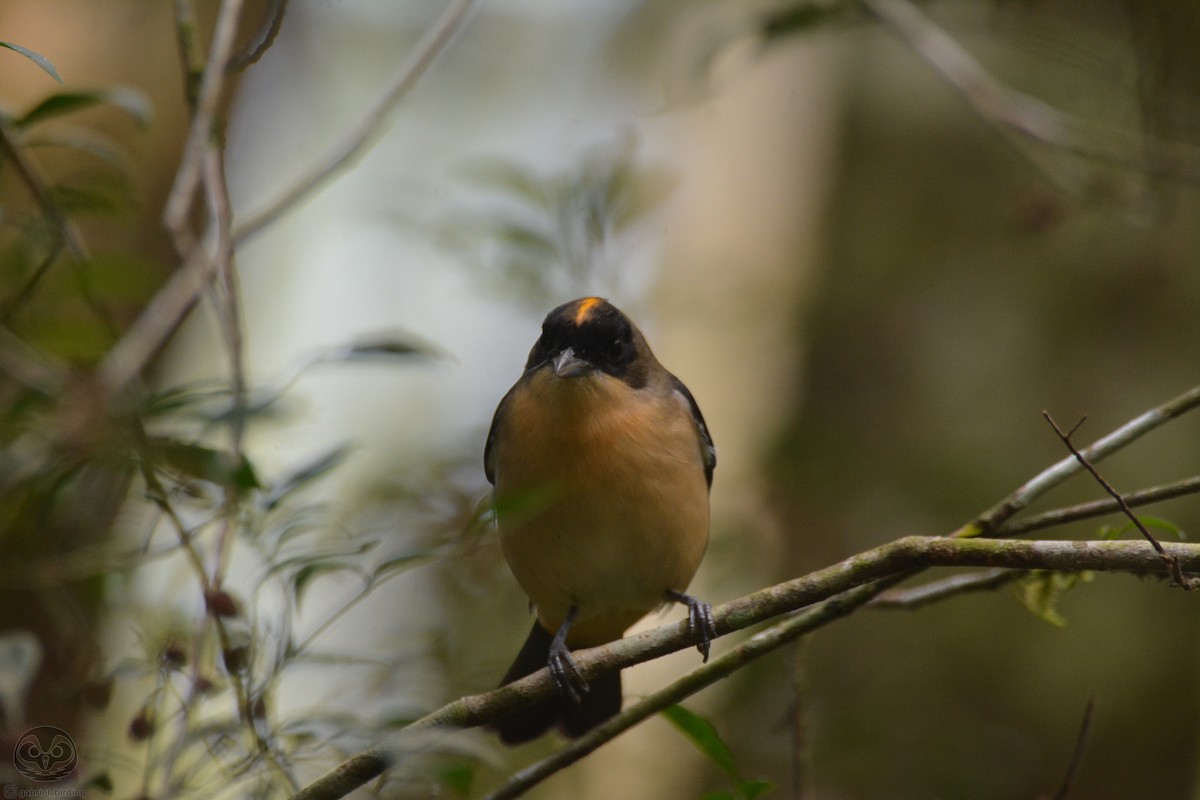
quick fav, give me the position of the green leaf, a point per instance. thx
(84, 140)
(800, 18)
(101, 782)
(1163, 525)
(458, 778)
(753, 789)
(128, 100)
(385, 346)
(398, 564)
(36, 58)
(101, 194)
(306, 474)
(206, 463)
(304, 575)
(511, 179)
(1042, 591)
(702, 734)
(1107, 532)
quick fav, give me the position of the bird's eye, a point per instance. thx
(616, 351)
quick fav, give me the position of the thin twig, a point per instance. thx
(988, 523)
(230, 313)
(802, 781)
(167, 310)
(936, 591)
(755, 647)
(187, 178)
(356, 141)
(38, 186)
(1098, 508)
(25, 293)
(1173, 563)
(1022, 114)
(191, 59)
(27, 364)
(855, 581)
(158, 321)
(868, 573)
(1077, 753)
(172, 303)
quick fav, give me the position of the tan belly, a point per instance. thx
(615, 511)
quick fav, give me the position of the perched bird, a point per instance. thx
(601, 464)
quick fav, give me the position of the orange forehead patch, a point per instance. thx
(585, 309)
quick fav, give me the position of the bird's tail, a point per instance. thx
(603, 700)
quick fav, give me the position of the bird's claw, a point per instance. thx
(566, 673)
(701, 625)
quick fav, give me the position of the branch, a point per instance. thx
(435, 42)
(1020, 113)
(936, 591)
(699, 678)
(1099, 508)
(1172, 563)
(65, 229)
(187, 179)
(1085, 728)
(989, 523)
(171, 304)
(843, 586)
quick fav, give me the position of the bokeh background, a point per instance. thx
(872, 288)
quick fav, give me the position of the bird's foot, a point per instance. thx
(566, 672)
(701, 624)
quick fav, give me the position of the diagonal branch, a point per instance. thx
(355, 143)
(1170, 561)
(867, 574)
(989, 523)
(853, 581)
(1018, 113)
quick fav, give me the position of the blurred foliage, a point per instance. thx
(966, 289)
(36, 58)
(704, 736)
(144, 504)
(542, 238)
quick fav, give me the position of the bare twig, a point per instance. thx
(159, 319)
(1077, 753)
(802, 780)
(841, 587)
(355, 142)
(170, 306)
(988, 523)
(1172, 563)
(936, 591)
(856, 580)
(65, 229)
(755, 647)
(166, 311)
(230, 313)
(1022, 114)
(187, 36)
(187, 178)
(1098, 508)
(29, 365)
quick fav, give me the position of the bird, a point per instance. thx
(601, 465)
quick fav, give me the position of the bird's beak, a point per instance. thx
(568, 365)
